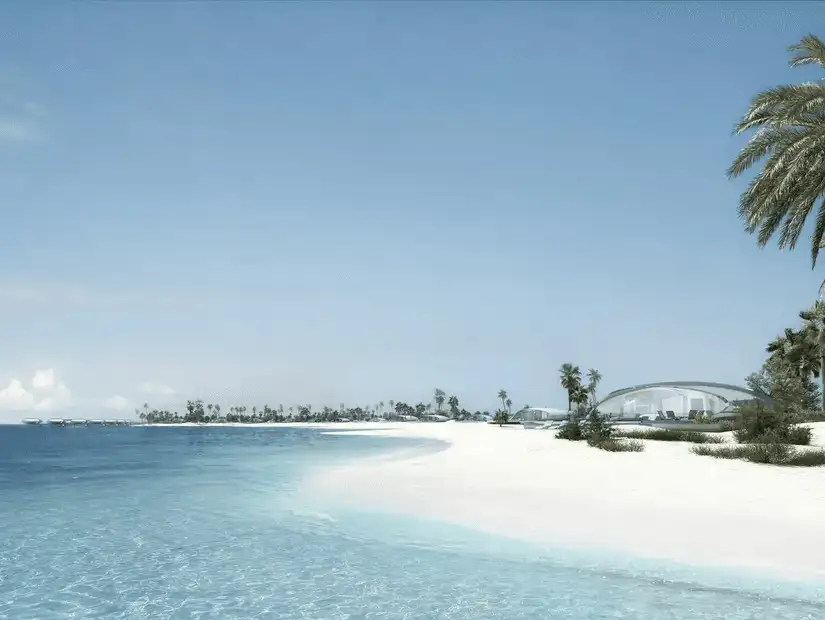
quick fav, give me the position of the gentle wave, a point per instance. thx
(213, 523)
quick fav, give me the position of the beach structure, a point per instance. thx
(674, 401)
(434, 417)
(57, 422)
(540, 417)
(33, 421)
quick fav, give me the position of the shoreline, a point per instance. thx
(664, 504)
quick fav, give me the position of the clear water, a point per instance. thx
(206, 523)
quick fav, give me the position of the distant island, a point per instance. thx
(445, 408)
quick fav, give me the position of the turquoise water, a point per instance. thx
(207, 523)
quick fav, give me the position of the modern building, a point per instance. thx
(678, 399)
(540, 414)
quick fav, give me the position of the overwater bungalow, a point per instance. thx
(110, 422)
(96, 422)
(33, 421)
(57, 422)
(78, 422)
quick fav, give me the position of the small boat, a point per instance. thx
(33, 421)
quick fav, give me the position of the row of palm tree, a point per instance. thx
(577, 392)
(199, 412)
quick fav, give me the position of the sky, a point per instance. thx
(264, 203)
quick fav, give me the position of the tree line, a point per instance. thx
(199, 412)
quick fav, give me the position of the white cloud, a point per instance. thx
(43, 379)
(117, 403)
(60, 398)
(155, 388)
(47, 394)
(15, 397)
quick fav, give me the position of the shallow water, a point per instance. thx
(210, 523)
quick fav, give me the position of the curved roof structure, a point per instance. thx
(716, 396)
(531, 414)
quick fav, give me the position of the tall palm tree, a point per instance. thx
(593, 379)
(790, 135)
(571, 380)
(440, 396)
(798, 350)
(502, 396)
(813, 333)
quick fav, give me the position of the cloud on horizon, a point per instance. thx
(46, 394)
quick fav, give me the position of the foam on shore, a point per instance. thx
(663, 504)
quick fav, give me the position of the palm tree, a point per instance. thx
(813, 334)
(798, 350)
(790, 136)
(509, 404)
(593, 379)
(452, 402)
(502, 396)
(440, 396)
(571, 379)
(580, 395)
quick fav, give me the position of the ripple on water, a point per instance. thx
(205, 529)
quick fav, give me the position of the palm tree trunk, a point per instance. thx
(822, 379)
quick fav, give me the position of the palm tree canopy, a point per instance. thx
(790, 136)
(570, 376)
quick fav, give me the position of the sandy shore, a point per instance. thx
(664, 503)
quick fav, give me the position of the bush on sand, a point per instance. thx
(768, 453)
(667, 434)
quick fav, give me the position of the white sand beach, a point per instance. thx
(664, 503)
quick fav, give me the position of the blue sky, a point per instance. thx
(352, 202)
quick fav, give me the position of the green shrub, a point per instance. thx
(808, 415)
(501, 417)
(619, 445)
(668, 434)
(704, 418)
(572, 431)
(597, 428)
(799, 435)
(756, 424)
(807, 458)
(768, 453)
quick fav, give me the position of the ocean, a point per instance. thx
(202, 523)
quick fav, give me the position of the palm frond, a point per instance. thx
(810, 50)
(790, 104)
